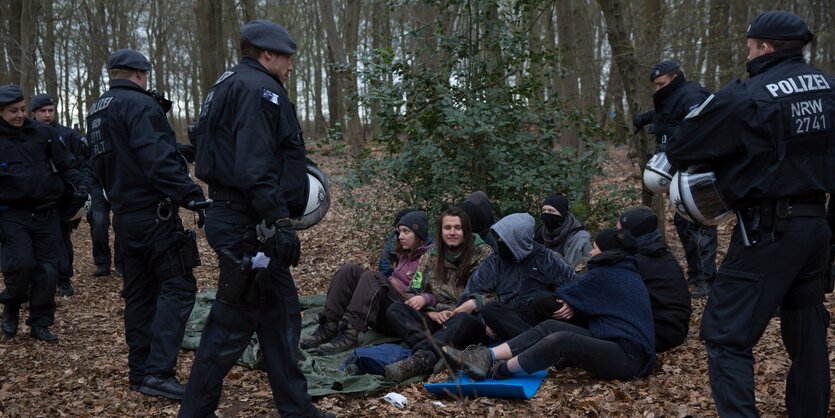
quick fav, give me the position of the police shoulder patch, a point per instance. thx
(270, 96)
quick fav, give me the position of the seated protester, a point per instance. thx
(663, 277)
(519, 271)
(562, 232)
(388, 256)
(358, 298)
(619, 342)
(443, 272)
(480, 210)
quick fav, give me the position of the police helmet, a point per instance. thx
(318, 199)
(657, 173)
(695, 196)
(69, 207)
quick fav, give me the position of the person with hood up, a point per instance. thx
(619, 342)
(357, 298)
(662, 276)
(480, 211)
(562, 232)
(518, 272)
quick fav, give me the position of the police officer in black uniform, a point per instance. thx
(33, 162)
(674, 98)
(43, 110)
(251, 153)
(146, 180)
(771, 144)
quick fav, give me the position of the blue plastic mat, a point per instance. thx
(521, 385)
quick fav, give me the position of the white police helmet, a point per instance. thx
(695, 196)
(657, 173)
(318, 199)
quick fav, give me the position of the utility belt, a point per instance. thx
(231, 198)
(771, 216)
(40, 212)
(241, 284)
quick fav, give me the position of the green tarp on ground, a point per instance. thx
(323, 373)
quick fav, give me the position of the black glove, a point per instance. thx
(288, 249)
(161, 99)
(200, 209)
(188, 151)
(642, 119)
(79, 198)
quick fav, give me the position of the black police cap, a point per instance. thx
(128, 59)
(780, 25)
(9, 94)
(269, 36)
(40, 100)
(663, 67)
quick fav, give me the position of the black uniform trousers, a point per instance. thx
(229, 329)
(786, 272)
(699, 243)
(65, 269)
(420, 332)
(99, 219)
(158, 293)
(30, 259)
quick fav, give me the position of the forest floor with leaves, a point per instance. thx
(85, 374)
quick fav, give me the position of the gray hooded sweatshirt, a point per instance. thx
(517, 280)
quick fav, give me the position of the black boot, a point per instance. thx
(43, 334)
(65, 288)
(161, 386)
(102, 270)
(346, 339)
(11, 317)
(325, 332)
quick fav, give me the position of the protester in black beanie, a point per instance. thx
(561, 231)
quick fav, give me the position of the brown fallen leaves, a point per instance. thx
(85, 375)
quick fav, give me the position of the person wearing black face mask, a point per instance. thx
(562, 232)
(520, 271)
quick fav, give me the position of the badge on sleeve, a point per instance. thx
(270, 96)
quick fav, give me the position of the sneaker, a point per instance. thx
(345, 340)
(166, 387)
(702, 289)
(421, 363)
(325, 332)
(475, 361)
(102, 271)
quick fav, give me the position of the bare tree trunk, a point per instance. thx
(211, 40)
(23, 29)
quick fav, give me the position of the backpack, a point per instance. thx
(374, 359)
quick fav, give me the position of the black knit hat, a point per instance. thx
(614, 239)
(779, 25)
(416, 221)
(479, 220)
(40, 100)
(663, 67)
(558, 201)
(399, 215)
(10, 93)
(639, 221)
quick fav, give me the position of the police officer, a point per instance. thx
(770, 143)
(135, 157)
(43, 110)
(33, 162)
(251, 153)
(674, 98)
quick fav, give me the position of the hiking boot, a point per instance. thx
(700, 290)
(102, 271)
(11, 317)
(345, 340)
(325, 332)
(421, 363)
(160, 386)
(43, 334)
(65, 289)
(475, 361)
